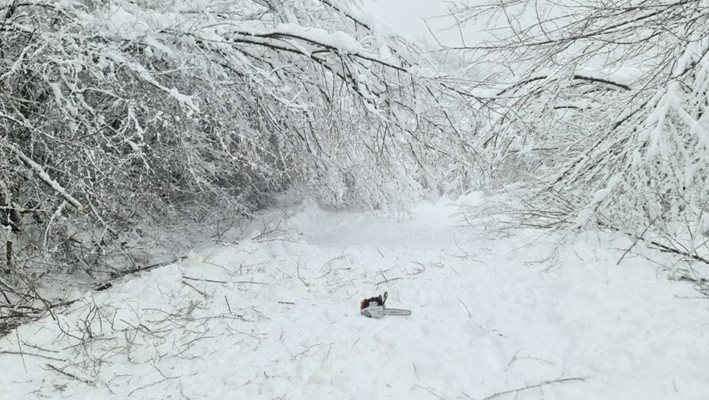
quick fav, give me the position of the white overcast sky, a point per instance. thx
(407, 17)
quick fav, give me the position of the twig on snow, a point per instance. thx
(227, 304)
(150, 384)
(38, 348)
(197, 290)
(386, 280)
(416, 372)
(418, 271)
(24, 353)
(307, 350)
(470, 315)
(297, 270)
(72, 376)
(429, 390)
(203, 280)
(638, 239)
(19, 345)
(538, 385)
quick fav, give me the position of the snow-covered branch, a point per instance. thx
(43, 175)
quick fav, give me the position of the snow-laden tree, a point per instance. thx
(604, 105)
(116, 114)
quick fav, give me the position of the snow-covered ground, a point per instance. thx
(524, 314)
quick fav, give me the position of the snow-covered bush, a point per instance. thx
(603, 104)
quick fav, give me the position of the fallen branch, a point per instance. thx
(150, 267)
(658, 245)
(668, 249)
(117, 275)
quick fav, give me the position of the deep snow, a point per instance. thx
(275, 316)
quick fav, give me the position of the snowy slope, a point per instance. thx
(275, 317)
